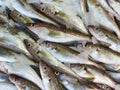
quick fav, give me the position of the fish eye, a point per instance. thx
(45, 67)
(29, 44)
(49, 79)
(32, 24)
(57, 73)
(42, 9)
(37, 52)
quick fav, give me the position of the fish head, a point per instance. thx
(13, 78)
(96, 32)
(44, 69)
(32, 47)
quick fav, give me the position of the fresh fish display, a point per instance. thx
(59, 44)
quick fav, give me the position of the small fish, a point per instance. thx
(56, 34)
(102, 54)
(22, 70)
(99, 17)
(7, 86)
(19, 18)
(49, 78)
(7, 55)
(26, 9)
(22, 84)
(12, 38)
(94, 74)
(71, 84)
(69, 20)
(65, 54)
(106, 38)
(40, 53)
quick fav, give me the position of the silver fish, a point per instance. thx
(22, 70)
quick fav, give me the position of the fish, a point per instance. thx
(49, 78)
(65, 54)
(40, 53)
(19, 18)
(102, 54)
(60, 15)
(114, 75)
(57, 34)
(99, 17)
(12, 38)
(7, 86)
(106, 38)
(115, 5)
(7, 55)
(71, 84)
(96, 75)
(21, 70)
(22, 84)
(26, 9)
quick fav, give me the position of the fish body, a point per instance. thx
(65, 54)
(61, 16)
(106, 38)
(49, 78)
(26, 9)
(96, 12)
(7, 55)
(102, 54)
(22, 70)
(96, 75)
(55, 34)
(22, 84)
(19, 18)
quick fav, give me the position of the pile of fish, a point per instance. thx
(59, 44)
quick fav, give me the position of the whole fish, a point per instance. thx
(96, 75)
(60, 15)
(65, 54)
(115, 4)
(55, 34)
(22, 70)
(39, 52)
(12, 38)
(19, 18)
(22, 84)
(101, 54)
(106, 38)
(49, 78)
(7, 86)
(99, 17)
(26, 9)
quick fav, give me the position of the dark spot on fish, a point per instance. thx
(49, 79)
(33, 24)
(45, 67)
(38, 52)
(97, 49)
(29, 45)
